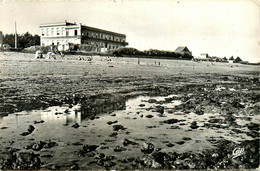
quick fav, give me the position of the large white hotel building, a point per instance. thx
(68, 35)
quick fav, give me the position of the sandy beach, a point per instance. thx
(113, 113)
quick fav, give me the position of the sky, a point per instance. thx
(217, 27)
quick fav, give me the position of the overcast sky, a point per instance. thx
(217, 27)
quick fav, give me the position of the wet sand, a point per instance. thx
(69, 114)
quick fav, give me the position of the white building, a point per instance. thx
(70, 35)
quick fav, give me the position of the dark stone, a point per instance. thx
(76, 125)
(186, 138)
(180, 142)
(50, 144)
(100, 156)
(119, 149)
(127, 142)
(149, 116)
(160, 109)
(141, 105)
(194, 125)
(89, 148)
(170, 145)
(29, 130)
(152, 101)
(111, 122)
(38, 122)
(147, 148)
(170, 121)
(118, 127)
(74, 167)
(214, 120)
(114, 134)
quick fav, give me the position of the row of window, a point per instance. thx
(61, 32)
(103, 45)
(53, 31)
(103, 36)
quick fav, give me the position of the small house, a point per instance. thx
(183, 50)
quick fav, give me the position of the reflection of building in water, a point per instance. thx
(58, 117)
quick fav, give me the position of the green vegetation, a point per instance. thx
(23, 41)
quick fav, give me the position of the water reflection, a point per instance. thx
(58, 115)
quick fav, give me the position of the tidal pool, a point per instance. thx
(142, 122)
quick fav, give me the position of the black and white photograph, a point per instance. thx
(129, 85)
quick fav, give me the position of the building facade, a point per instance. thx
(68, 35)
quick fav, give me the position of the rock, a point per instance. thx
(111, 122)
(119, 149)
(118, 127)
(38, 146)
(180, 142)
(21, 161)
(170, 145)
(149, 116)
(92, 118)
(174, 127)
(198, 110)
(114, 134)
(38, 122)
(147, 148)
(127, 142)
(4, 127)
(253, 126)
(29, 130)
(66, 111)
(152, 101)
(170, 121)
(100, 156)
(160, 109)
(151, 126)
(50, 144)
(214, 120)
(76, 125)
(186, 138)
(141, 105)
(76, 143)
(113, 114)
(89, 148)
(194, 125)
(74, 167)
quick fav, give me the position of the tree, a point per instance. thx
(238, 59)
(225, 58)
(231, 58)
(23, 41)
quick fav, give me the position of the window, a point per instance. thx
(67, 33)
(76, 32)
(58, 31)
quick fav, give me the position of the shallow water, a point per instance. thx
(58, 121)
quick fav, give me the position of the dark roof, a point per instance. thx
(182, 49)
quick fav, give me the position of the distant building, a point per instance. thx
(70, 35)
(183, 50)
(204, 55)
